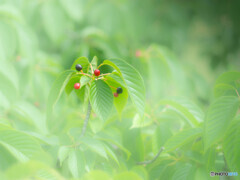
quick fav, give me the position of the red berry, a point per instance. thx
(77, 85)
(115, 94)
(97, 72)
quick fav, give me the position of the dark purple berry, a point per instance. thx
(78, 67)
(119, 90)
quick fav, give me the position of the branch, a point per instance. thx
(151, 161)
(86, 119)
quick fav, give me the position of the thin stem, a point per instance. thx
(151, 161)
(112, 87)
(105, 74)
(85, 74)
(91, 67)
(237, 92)
(86, 119)
(101, 65)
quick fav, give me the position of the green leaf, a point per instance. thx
(32, 170)
(141, 171)
(182, 138)
(101, 99)
(210, 157)
(121, 101)
(139, 122)
(6, 159)
(227, 84)
(20, 145)
(159, 71)
(111, 154)
(48, 174)
(24, 170)
(182, 173)
(95, 146)
(31, 113)
(83, 61)
(158, 168)
(133, 141)
(113, 139)
(94, 62)
(219, 115)
(191, 119)
(201, 174)
(70, 85)
(224, 90)
(128, 175)
(83, 93)
(115, 76)
(231, 146)
(161, 134)
(57, 89)
(228, 77)
(84, 80)
(63, 153)
(97, 174)
(133, 80)
(76, 163)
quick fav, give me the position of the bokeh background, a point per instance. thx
(179, 47)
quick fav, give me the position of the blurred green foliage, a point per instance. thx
(179, 48)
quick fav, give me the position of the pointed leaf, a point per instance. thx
(224, 90)
(75, 78)
(97, 174)
(133, 80)
(76, 163)
(182, 138)
(20, 145)
(111, 154)
(227, 84)
(228, 77)
(83, 61)
(219, 115)
(84, 80)
(101, 99)
(94, 62)
(231, 146)
(192, 116)
(95, 146)
(121, 101)
(63, 153)
(57, 89)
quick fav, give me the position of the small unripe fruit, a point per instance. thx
(97, 72)
(119, 90)
(78, 67)
(77, 85)
(115, 94)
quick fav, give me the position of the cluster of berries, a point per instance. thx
(79, 68)
(96, 73)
